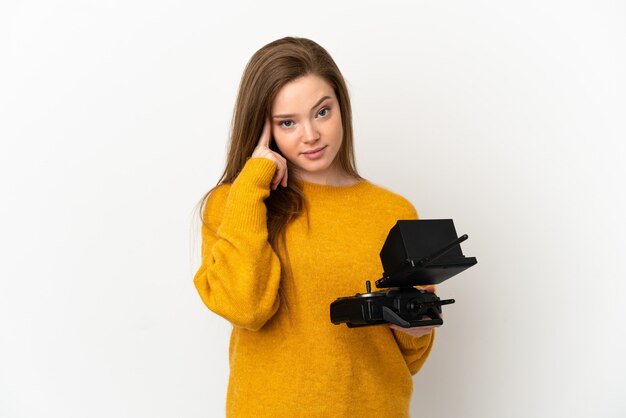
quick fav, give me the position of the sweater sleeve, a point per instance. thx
(240, 272)
(415, 350)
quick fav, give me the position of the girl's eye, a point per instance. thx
(286, 123)
(323, 112)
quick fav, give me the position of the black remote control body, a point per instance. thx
(403, 307)
(415, 253)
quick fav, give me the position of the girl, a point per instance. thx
(290, 227)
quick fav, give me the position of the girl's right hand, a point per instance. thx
(263, 150)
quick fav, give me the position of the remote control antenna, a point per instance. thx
(442, 251)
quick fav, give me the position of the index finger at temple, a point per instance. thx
(265, 134)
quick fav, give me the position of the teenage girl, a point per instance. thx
(290, 227)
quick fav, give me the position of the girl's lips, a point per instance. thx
(314, 155)
(315, 150)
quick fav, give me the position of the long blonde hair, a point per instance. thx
(269, 69)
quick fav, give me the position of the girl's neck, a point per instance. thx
(338, 178)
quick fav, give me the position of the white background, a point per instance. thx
(508, 117)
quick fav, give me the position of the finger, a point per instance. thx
(286, 174)
(428, 318)
(279, 174)
(284, 182)
(283, 173)
(265, 134)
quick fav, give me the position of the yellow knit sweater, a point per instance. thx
(289, 360)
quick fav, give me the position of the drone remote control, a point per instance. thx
(415, 253)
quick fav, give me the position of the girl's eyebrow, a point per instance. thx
(292, 115)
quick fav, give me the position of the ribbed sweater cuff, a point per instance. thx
(245, 207)
(407, 341)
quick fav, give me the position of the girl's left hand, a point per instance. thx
(418, 331)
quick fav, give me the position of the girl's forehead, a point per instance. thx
(301, 94)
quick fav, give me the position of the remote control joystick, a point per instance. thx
(415, 253)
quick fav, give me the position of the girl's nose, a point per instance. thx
(310, 133)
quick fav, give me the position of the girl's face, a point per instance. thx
(306, 125)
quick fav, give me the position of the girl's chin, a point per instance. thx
(310, 173)
(303, 165)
